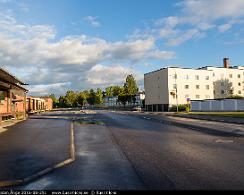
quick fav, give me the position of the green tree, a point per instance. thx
(61, 102)
(91, 97)
(71, 98)
(130, 85)
(81, 98)
(130, 88)
(123, 98)
(117, 90)
(99, 97)
(109, 91)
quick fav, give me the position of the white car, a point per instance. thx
(137, 108)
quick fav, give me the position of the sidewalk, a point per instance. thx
(209, 126)
(211, 118)
(32, 146)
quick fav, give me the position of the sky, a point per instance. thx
(60, 45)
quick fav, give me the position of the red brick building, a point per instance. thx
(48, 103)
(12, 96)
(38, 104)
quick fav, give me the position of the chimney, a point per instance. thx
(226, 62)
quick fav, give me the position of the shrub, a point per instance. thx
(235, 97)
(181, 108)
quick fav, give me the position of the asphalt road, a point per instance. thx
(126, 151)
(31, 146)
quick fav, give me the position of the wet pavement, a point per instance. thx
(133, 151)
(31, 146)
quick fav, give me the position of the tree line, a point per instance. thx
(125, 93)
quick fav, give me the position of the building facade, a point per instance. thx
(38, 104)
(172, 85)
(12, 97)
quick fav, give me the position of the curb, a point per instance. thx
(198, 128)
(209, 119)
(47, 170)
(202, 129)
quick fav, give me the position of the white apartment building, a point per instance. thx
(172, 85)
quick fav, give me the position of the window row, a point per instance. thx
(198, 96)
(188, 87)
(197, 77)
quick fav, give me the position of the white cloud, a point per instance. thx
(104, 75)
(200, 15)
(213, 9)
(189, 34)
(34, 54)
(92, 21)
(224, 27)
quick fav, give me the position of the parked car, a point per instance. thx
(137, 108)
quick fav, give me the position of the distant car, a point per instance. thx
(137, 108)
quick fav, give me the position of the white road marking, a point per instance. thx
(223, 141)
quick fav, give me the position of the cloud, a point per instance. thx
(213, 9)
(189, 34)
(224, 27)
(34, 54)
(92, 21)
(193, 19)
(105, 75)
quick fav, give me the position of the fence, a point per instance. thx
(218, 105)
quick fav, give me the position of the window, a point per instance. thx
(207, 96)
(238, 76)
(239, 92)
(175, 76)
(230, 75)
(207, 87)
(174, 86)
(186, 77)
(2, 96)
(207, 77)
(197, 77)
(222, 91)
(239, 84)
(197, 96)
(213, 74)
(186, 86)
(197, 86)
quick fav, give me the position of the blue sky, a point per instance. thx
(56, 45)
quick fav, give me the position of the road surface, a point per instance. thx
(133, 151)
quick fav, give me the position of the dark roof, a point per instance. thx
(8, 77)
